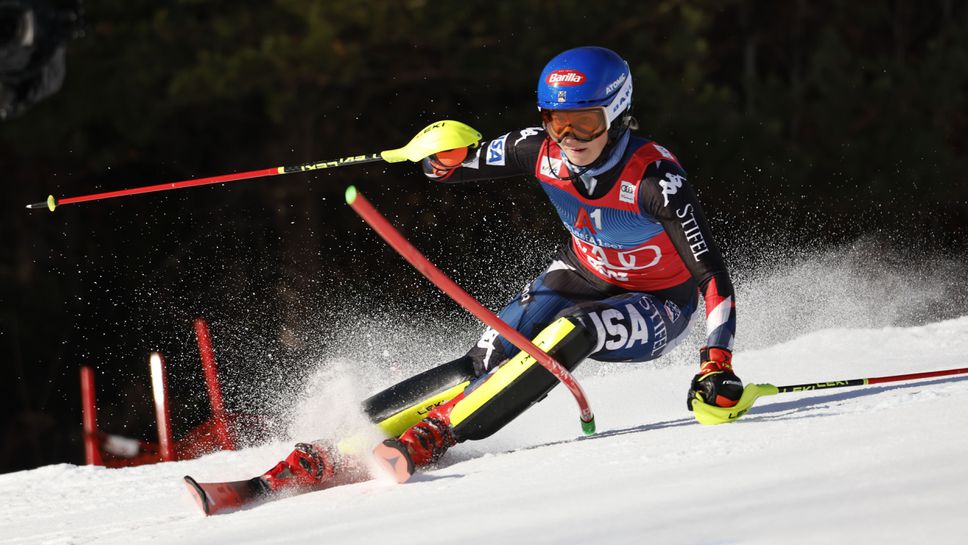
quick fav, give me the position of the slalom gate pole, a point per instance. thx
(379, 223)
(159, 387)
(92, 447)
(436, 137)
(207, 355)
(710, 414)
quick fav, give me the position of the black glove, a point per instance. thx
(715, 384)
(443, 163)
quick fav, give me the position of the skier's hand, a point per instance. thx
(443, 163)
(715, 384)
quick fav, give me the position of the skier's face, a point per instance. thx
(583, 153)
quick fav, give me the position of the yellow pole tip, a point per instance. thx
(51, 202)
(351, 195)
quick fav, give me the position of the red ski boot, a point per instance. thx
(423, 444)
(308, 466)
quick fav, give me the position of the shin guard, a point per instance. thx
(519, 382)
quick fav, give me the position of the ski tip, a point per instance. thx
(351, 195)
(393, 458)
(198, 494)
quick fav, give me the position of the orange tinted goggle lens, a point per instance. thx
(587, 124)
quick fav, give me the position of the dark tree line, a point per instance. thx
(802, 121)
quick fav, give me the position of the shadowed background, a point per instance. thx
(802, 124)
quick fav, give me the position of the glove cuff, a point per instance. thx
(436, 171)
(714, 360)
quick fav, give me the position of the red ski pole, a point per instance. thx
(466, 300)
(710, 414)
(436, 137)
(866, 381)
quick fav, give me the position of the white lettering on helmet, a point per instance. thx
(561, 78)
(614, 85)
(621, 101)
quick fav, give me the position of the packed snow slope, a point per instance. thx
(877, 464)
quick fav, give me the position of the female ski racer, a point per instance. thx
(625, 287)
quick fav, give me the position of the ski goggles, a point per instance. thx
(584, 124)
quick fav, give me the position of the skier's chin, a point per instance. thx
(580, 153)
(581, 156)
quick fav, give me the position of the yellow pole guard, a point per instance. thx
(440, 136)
(711, 415)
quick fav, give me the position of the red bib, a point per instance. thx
(611, 235)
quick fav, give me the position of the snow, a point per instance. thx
(877, 464)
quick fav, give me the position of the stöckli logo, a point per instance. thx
(565, 78)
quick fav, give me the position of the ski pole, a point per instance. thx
(436, 137)
(710, 414)
(379, 223)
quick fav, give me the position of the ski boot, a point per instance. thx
(309, 466)
(421, 445)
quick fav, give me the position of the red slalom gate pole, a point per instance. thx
(213, 384)
(92, 448)
(448, 286)
(159, 387)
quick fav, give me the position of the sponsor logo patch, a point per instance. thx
(670, 185)
(690, 228)
(551, 167)
(565, 78)
(487, 343)
(584, 221)
(531, 131)
(672, 311)
(627, 192)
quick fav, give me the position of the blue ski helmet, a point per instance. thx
(587, 77)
